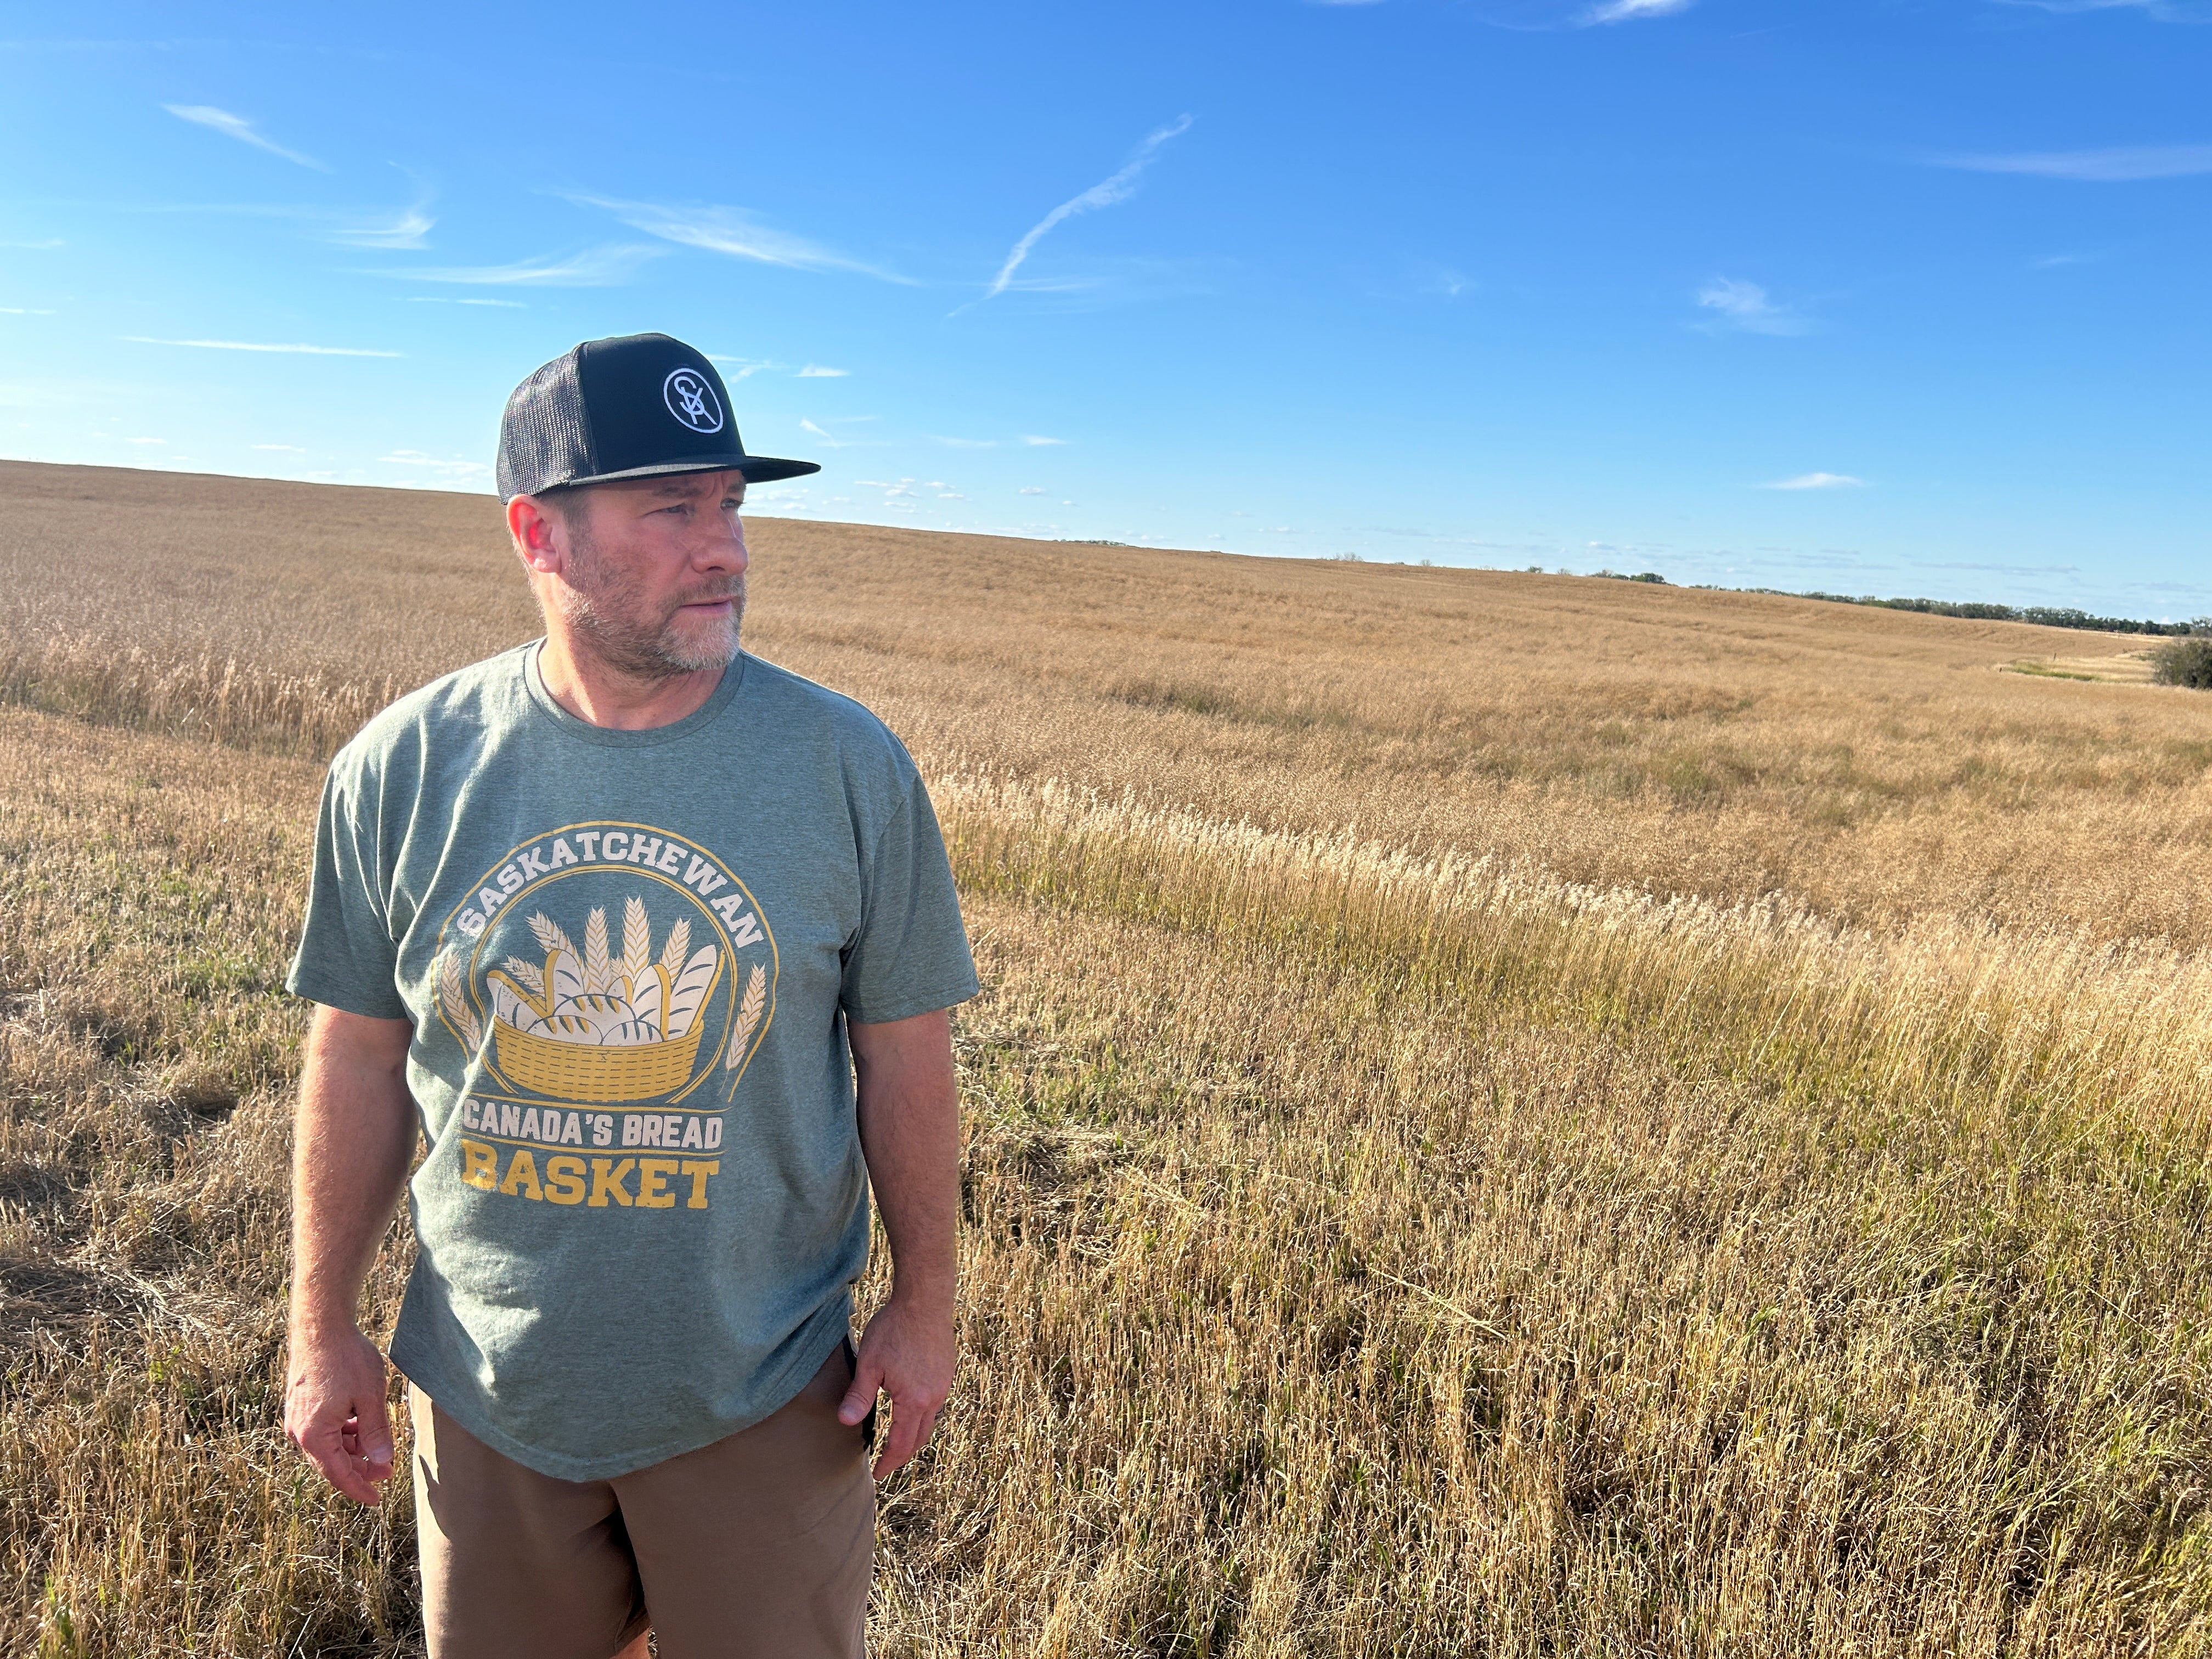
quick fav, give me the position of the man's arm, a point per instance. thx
(909, 1111)
(353, 1141)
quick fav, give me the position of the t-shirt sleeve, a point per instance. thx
(347, 959)
(910, 956)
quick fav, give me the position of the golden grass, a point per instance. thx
(1402, 1218)
(148, 897)
(1873, 765)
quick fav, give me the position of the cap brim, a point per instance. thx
(766, 469)
(753, 469)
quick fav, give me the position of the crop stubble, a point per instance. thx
(1486, 1133)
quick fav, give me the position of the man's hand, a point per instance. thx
(334, 1410)
(909, 1106)
(350, 1146)
(906, 1352)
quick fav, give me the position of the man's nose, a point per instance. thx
(723, 546)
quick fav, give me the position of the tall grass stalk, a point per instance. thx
(1941, 1012)
(223, 696)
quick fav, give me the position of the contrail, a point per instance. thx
(238, 127)
(1106, 193)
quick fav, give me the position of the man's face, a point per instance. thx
(653, 577)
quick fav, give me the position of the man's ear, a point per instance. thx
(532, 527)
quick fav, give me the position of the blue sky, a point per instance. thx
(1902, 298)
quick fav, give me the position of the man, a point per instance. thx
(615, 918)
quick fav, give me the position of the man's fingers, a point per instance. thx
(860, 1398)
(335, 1412)
(354, 1454)
(900, 1445)
(373, 1426)
(341, 1474)
(325, 1448)
(913, 1421)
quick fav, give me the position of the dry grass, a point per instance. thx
(148, 898)
(1576, 1210)
(1873, 765)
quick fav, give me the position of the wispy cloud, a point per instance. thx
(416, 458)
(363, 228)
(409, 227)
(1818, 481)
(2124, 164)
(733, 231)
(238, 127)
(1627, 11)
(1746, 306)
(2164, 11)
(744, 366)
(51, 242)
(286, 449)
(459, 300)
(595, 267)
(255, 345)
(25, 311)
(903, 493)
(817, 372)
(1038, 489)
(1111, 280)
(1029, 439)
(1105, 193)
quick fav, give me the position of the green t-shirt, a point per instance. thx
(628, 958)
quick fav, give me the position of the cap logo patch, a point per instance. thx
(692, 400)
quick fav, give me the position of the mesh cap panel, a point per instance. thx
(624, 408)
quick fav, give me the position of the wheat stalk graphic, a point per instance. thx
(595, 998)
(672, 954)
(748, 1017)
(637, 941)
(453, 995)
(549, 936)
(599, 970)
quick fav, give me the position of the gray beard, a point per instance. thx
(630, 645)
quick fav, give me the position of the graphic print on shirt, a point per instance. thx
(604, 965)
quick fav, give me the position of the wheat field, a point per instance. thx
(1509, 1115)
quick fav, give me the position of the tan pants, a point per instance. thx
(759, 1545)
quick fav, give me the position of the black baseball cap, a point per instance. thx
(627, 408)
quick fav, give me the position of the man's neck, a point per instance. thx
(602, 695)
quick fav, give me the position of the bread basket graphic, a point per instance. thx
(590, 1025)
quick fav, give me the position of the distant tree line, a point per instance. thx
(2046, 616)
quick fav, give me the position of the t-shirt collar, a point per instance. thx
(614, 737)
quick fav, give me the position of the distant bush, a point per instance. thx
(2185, 662)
